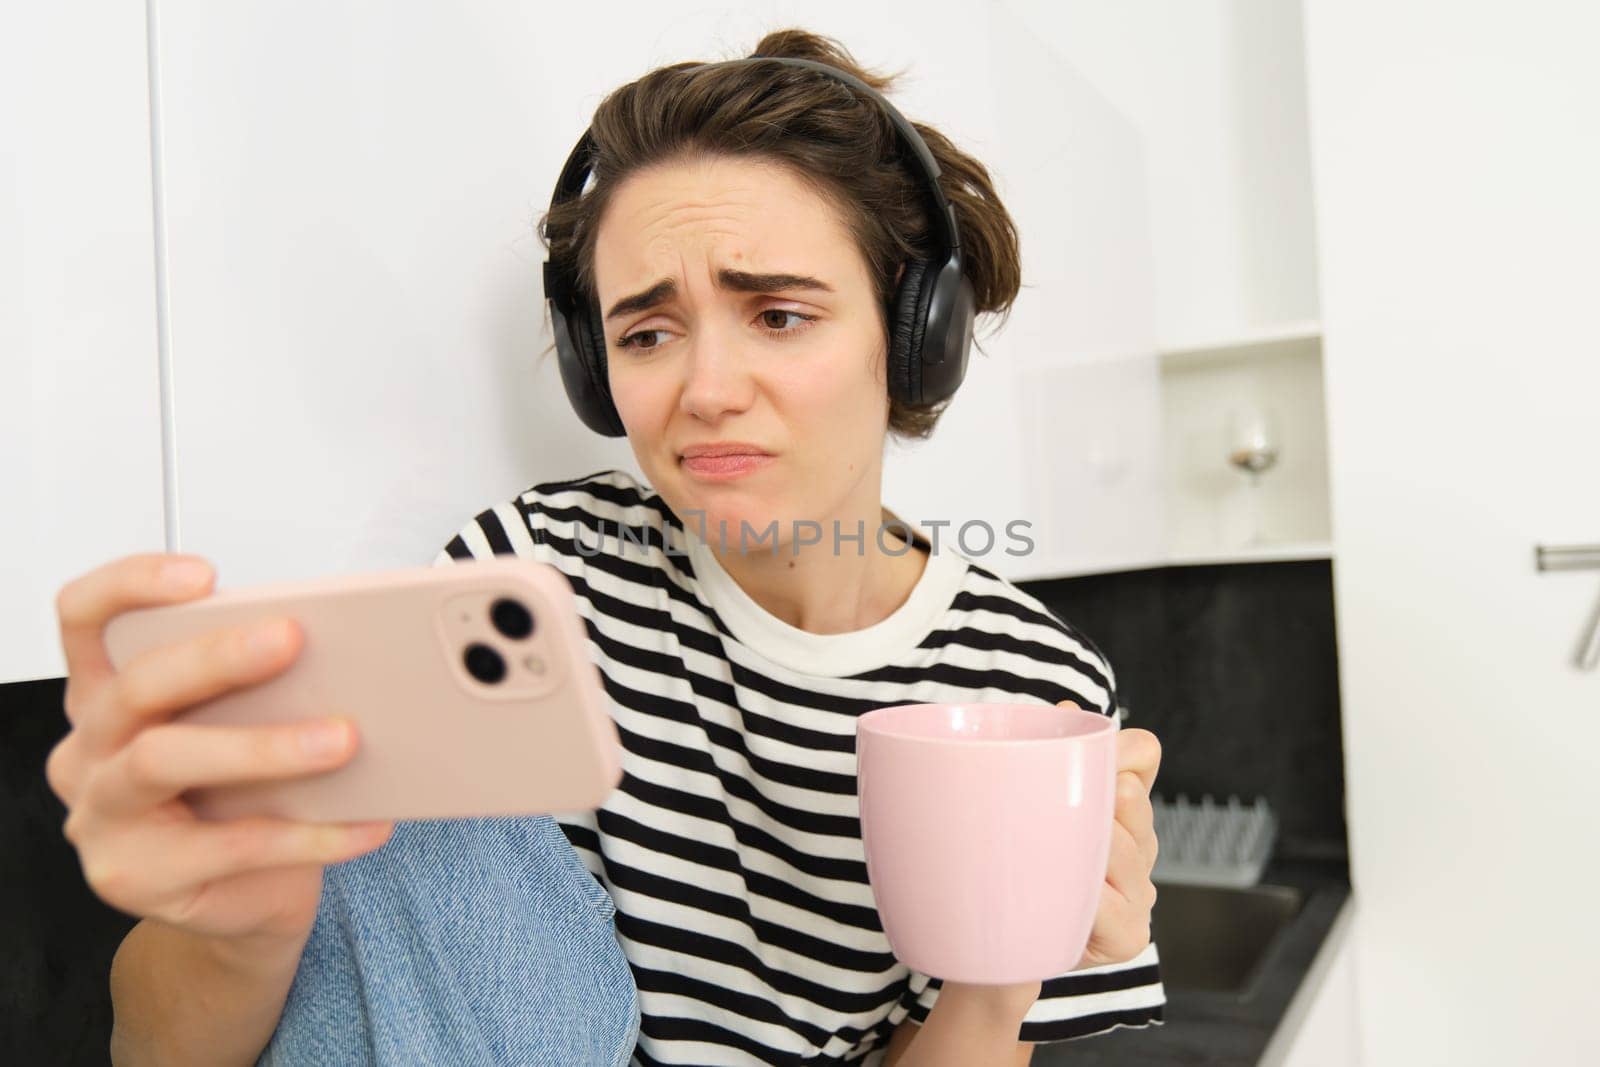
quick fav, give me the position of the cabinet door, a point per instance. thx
(1058, 425)
(1217, 90)
(357, 313)
(358, 316)
(80, 401)
(1455, 173)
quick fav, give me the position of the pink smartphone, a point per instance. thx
(470, 686)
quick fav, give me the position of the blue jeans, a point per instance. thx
(461, 941)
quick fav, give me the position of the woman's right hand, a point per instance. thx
(123, 765)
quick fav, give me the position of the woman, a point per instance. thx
(741, 246)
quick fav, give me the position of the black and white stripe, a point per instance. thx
(732, 847)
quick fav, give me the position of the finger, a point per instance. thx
(1121, 930)
(211, 850)
(163, 681)
(1136, 814)
(1126, 872)
(85, 604)
(216, 850)
(1139, 751)
(123, 871)
(64, 767)
(163, 761)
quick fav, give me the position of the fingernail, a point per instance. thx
(367, 835)
(269, 638)
(184, 573)
(324, 740)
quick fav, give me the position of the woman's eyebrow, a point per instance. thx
(738, 281)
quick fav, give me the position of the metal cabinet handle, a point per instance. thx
(1588, 655)
(1573, 558)
(1567, 558)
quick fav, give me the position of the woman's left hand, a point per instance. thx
(1122, 921)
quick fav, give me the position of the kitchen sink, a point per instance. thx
(1213, 938)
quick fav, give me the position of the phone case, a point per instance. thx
(388, 649)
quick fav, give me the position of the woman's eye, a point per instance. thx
(774, 323)
(779, 331)
(628, 341)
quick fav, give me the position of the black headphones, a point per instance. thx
(930, 313)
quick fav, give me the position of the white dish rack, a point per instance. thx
(1210, 843)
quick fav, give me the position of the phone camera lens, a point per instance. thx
(511, 618)
(485, 664)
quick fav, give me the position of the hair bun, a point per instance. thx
(803, 44)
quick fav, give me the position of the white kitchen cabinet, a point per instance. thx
(353, 353)
(350, 354)
(1216, 90)
(80, 396)
(1059, 426)
(1455, 167)
(1205, 186)
(1093, 433)
(353, 275)
(1129, 456)
(1212, 511)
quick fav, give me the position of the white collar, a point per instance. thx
(830, 655)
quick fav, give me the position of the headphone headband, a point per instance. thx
(930, 314)
(575, 172)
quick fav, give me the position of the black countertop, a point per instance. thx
(1202, 1027)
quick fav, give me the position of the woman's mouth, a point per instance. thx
(721, 468)
(724, 462)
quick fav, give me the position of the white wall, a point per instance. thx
(80, 412)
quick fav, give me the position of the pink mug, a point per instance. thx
(987, 830)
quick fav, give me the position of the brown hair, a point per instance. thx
(842, 146)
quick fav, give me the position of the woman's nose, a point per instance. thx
(716, 378)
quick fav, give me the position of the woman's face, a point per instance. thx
(737, 309)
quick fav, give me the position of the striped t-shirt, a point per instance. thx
(732, 847)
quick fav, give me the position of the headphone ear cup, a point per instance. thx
(583, 370)
(595, 362)
(908, 321)
(594, 352)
